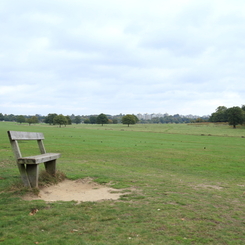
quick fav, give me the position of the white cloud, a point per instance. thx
(89, 57)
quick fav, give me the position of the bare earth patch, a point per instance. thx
(210, 186)
(81, 190)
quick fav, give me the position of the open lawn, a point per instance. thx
(189, 182)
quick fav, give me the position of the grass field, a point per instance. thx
(189, 182)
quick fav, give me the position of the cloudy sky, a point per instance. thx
(87, 57)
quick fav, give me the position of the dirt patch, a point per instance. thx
(209, 186)
(81, 190)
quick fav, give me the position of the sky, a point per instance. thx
(121, 56)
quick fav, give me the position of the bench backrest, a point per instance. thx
(14, 136)
(18, 135)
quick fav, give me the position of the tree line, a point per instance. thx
(175, 119)
(234, 115)
(92, 119)
(100, 119)
(55, 119)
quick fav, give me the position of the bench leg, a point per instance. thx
(32, 171)
(50, 167)
(23, 175)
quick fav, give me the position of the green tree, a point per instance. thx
(1, 117)
(50, 118)
(115, 121)
(220, 115)
(199, 120)
(243, 108)
(86, 120)
(235, 116)
(31, 120)
(60, 120)
(102, 119)
(77, 119)
(93, 119)
(72, 117)
(68, 120)
(20, 119)
(128, 119)
(136, 118)
(10, 117)
(156, 120)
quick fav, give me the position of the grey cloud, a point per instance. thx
(121, 56)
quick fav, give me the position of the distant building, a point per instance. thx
(156, 115)
(147, 116)
(140, 116)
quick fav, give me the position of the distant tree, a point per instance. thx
(72, 117)
(10, 117)
(86, 120)
(128, 119)
(31, 120)
(199, 120)
(220, 115)
(1, 117)
(50, 118)
(77, 119)
(20, 119)
(110, 121)
(136, 118)
(156, 120)
(235, 116)
(243, 108)
(93, 119)
(68, 120)
(102, 119)
(115, 121)
(40, 118)
(60, 120)
(117, 118)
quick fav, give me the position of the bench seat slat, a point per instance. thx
(38, 158)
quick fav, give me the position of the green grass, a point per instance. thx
(190, 182)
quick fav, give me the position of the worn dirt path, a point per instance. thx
(80, 190)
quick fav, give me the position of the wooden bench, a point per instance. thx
(29, 166)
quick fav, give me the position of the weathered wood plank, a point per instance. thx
(38, 158)
(15, 148)
(24, 175)
(33, 173)
(50, 167)
(18, 135)
(41, 147)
